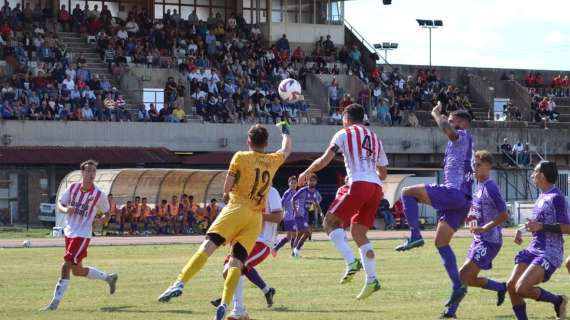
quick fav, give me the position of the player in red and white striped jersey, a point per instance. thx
(365, 162)
(80, 202)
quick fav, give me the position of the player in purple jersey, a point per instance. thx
(488, 213)
(452, 199)
(289, 224)
(306, 199)
(544, 254)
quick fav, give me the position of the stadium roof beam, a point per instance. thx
(429, 24)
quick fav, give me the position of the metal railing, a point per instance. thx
(363, 41)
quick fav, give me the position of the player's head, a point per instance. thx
(88, 171)
(292, 182)
(144, 200)
(313, 180)
(460, 119)
(163, 202)
(184, 197)
(213, 201)
(257, 137)
(129, 203)
(190, 198)
(483, 164)
(353, 114)
(174, 199)
(137, 200)
(545, 174)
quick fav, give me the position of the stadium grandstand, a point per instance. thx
(175, 84)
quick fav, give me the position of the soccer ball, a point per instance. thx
(289, 90)
(26, 243)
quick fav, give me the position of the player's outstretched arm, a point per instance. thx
(287, 142)
(317, 165)
(443, 123)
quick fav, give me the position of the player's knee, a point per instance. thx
(522, 290)
(511, 286)
(239, 253)
(76, 270)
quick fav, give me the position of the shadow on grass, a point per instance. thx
(129, 309)
(286, 309)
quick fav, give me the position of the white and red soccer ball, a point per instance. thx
(289, 90)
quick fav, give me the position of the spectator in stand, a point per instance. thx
(179, 114)
(142, 114)
(355, 56)
(153, 113)
(64, 19)
(276, 110)
(345, 102)
(519, 153)
(283, 43)
(335, 118)
(506, 151)
(383, 113)
(329, 46)
(298, 55)
(212, 211)
(333, 96)
(512, 112)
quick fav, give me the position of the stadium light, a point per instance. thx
(387, 2)
(429, 24)
(386, 46)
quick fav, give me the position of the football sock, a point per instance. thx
(412, 216)
(368, 263)
(520, 311)
(495, 286)
(451, 310)
(293, 243)
(450, 264)
(96, 274)
(255, 278)
(546, 296)
(339, 241)
(238, 296)
(265, 290)
(59, 290)
(194, 265)
(301, 242)
(230, 284)
(281, 243)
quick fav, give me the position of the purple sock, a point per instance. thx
(520, 311)
(281, 243)
(495, 286)
(450, 264)
(255, 278)
(546, 296)
(412, 216)
(451, 310)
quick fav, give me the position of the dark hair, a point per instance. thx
(164, 201)
(213, 200)
(461, 114)
(258, 135)
(291, 178)
(484, 156)
(354, 113)
(549, 170)
(89, 162)
(144, 198)
(314, 176)
(137, 197)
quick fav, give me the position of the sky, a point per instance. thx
(525, 34)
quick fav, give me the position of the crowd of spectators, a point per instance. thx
(559, 85)
(515, 156)
(47, 83)
(177, 216)
(543, 107)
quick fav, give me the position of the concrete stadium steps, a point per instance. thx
(424, 116)
(563, 108)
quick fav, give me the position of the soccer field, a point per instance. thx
(414, 285)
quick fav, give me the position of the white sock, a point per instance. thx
(59, 290)
(338, 238)
(368, 263)
(95, 274)
(265, 290)
(239, 304)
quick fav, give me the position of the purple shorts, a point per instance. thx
(289, 225)
(482, 253)
(524, 256)
(302, 223)
(451, 204)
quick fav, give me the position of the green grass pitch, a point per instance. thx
(414, 285)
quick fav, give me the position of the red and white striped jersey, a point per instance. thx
(362, 151)
(86, 204)
(269, 232)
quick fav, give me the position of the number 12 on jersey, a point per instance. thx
(258, 190)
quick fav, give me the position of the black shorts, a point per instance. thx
(312, 216)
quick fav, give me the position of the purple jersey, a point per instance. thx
(549, 208)
(487, 204)
(287, 204)
(457, 167)
(305, 199)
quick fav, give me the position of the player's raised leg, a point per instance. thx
(411, 196)
(337, 236)
(194, 265)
